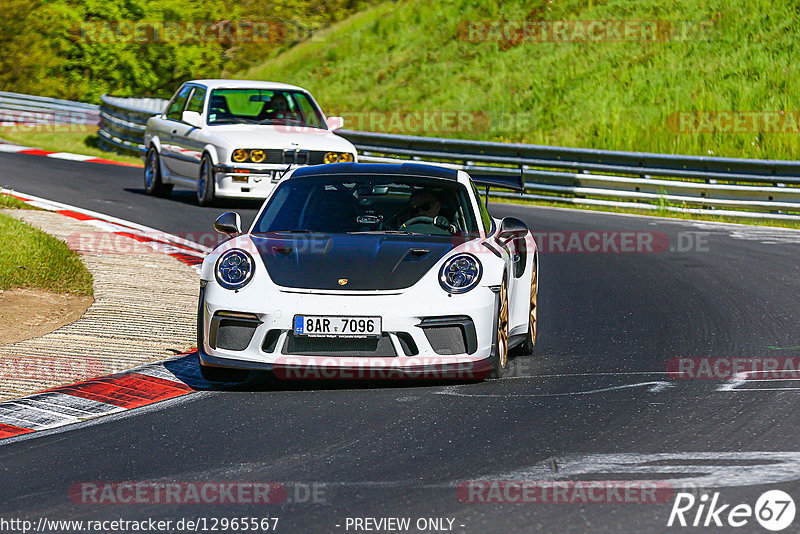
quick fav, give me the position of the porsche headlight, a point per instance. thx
(239, 155)
(460, 273)
(257, 155)
(234, 269)
(331, 157)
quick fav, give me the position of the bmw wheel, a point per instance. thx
(152, 175)
(206, 182)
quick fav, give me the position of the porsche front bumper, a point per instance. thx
(446, 337)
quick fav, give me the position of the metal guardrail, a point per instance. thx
(123, 122)
(38, 110)
(693, 184)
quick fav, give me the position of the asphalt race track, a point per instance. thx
(594, 401)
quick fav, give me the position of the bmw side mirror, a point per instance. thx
(229, 224)
(192, 118)
(334, 123)
(511, 228)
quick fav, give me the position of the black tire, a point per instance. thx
(530, 338)
(500, 365)
(205, 182)
(221, 374)
(152, 175)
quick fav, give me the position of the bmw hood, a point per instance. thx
(350, 261)
(267, 136)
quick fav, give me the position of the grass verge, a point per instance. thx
(30, 258)
(9, 202)
(74, 142)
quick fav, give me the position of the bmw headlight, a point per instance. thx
(338, 157)
(460, 273)
(239, 155)
(257, 155)
(234, 269)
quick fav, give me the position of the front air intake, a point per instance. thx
(232, 331)
(450, 335)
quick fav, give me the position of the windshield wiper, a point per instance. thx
(392, 232)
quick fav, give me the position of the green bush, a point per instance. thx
(61, 48)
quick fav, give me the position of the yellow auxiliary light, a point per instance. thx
(257, 155)
(346, 157)
(239, 155)
(331, 157)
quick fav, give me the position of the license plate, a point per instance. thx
(336, 326)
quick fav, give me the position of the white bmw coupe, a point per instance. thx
(369, 270)
(237, 139)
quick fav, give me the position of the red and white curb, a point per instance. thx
(186, 251)
(106, 395)
(17, 149)
(65, 405)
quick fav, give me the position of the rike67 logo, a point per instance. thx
(774, 510)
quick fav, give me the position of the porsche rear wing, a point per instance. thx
(503, 181)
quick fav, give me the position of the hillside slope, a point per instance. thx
(611, 92)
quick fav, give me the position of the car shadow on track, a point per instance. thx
(266, 382)
(184, 196)
(187, 369)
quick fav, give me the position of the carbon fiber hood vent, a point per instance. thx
(364, 261)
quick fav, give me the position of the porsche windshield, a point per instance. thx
(369, 204)
(262, 106)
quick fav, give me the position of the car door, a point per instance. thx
(170, 152)
(187, 138)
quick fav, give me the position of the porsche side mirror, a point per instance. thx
(334, 123)
(511, 228)
(192, 118)
(229, 224)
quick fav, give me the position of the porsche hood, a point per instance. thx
(350, 261)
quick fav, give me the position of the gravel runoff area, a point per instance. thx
(144, 310)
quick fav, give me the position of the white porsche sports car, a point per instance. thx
(237, 138)
(369, 270)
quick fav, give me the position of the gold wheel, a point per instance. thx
(534, 295)
(502, 328)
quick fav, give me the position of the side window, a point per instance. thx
(486, 219)
(175, 109)
(197, 99)
(310, 112)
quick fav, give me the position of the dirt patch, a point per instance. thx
(28, 313)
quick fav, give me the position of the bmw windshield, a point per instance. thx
(262, 106)
(369, 204)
